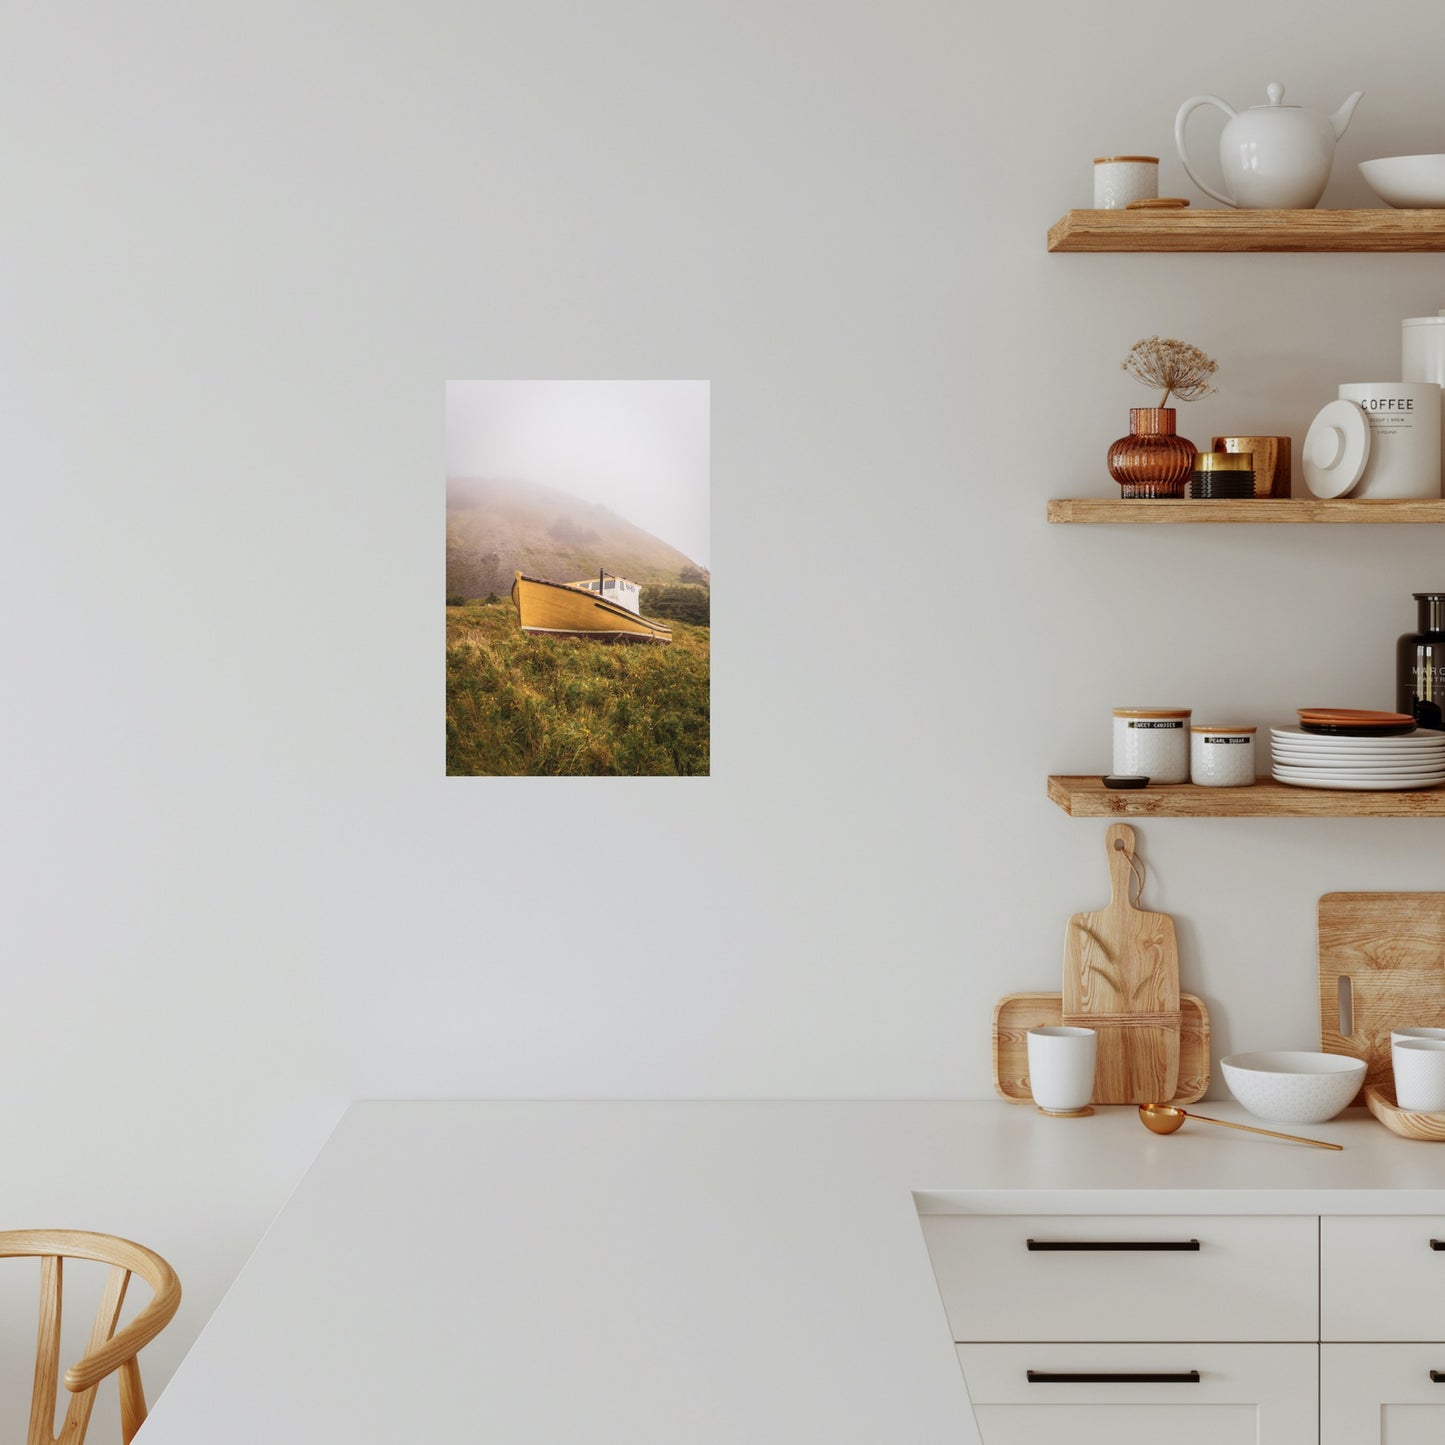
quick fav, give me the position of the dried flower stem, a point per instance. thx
(1181, 369)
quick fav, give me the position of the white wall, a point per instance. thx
(243, 247)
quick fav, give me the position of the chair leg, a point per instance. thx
(132, 1400)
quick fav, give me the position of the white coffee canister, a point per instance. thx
(1422, 351)
(1404, 418)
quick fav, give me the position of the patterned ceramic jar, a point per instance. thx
(1118, 180)
(1152, 741)
(1419, 1066)
(1222, 757)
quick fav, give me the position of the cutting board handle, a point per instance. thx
(1119, 841)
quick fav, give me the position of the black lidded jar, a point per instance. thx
(1420, 663)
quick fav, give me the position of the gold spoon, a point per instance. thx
(1166, 1119)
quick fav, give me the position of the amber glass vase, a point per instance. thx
(1151, 461)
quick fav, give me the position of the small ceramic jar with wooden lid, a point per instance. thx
(1119, 181)
(1222, 757)
(1152, 741)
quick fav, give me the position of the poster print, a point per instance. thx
(578, 593)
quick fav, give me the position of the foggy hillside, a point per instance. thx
(497, 528)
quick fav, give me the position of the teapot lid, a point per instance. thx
(1275, 91)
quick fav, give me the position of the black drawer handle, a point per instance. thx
(1149, 1244)
(1437, 1244)
(1438, 1376)
(1071, 1377)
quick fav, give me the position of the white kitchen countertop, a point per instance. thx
(684, 1273)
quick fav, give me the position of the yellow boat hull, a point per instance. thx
(553, 609)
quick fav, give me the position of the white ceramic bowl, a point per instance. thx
(1292, 1087)
(1410, 183)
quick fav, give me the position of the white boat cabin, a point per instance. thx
(614, 589)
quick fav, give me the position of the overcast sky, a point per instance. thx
(638, 447)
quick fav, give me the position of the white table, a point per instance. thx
(685, 1273)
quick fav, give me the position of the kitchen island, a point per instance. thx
(712, 1273)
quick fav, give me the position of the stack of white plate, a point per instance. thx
(1320, 760)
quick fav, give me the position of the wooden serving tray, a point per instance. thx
(1380, 1101)
(1016, 1013)
(1382, 967)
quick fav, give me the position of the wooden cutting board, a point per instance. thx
(1121, 978)
(1016, 1013)
(1382, 967)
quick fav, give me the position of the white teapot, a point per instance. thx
(1274, 156)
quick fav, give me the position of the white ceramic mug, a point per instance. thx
(1419, 1074)
(1061, 1068)
(1397, 1034)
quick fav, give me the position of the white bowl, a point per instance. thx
(1292, 1087)
(1410, 183)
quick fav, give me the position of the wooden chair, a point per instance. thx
(107, 1351)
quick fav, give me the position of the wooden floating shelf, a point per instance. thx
(1087, 797)
(1115, 510)
(1224, 230)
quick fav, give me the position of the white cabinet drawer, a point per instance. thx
(1086, 1277)
(1380, 1279)
(1203, 1395)
(1382, 1394)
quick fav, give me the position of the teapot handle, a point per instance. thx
(1192, 104)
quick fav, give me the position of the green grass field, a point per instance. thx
(536, 706)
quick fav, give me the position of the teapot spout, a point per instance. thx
(1341, 118)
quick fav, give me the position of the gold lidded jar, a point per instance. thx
(1151, 461)
(1222, 476)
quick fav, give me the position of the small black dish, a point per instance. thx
(1352, 730)
(1124, 780)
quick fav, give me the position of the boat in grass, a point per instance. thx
(604, 608)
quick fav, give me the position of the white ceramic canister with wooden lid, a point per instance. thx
(1422, 353)
(1222, 757)
(1119, 181)
(1152, 742)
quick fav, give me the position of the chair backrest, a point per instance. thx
(107, 1350)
